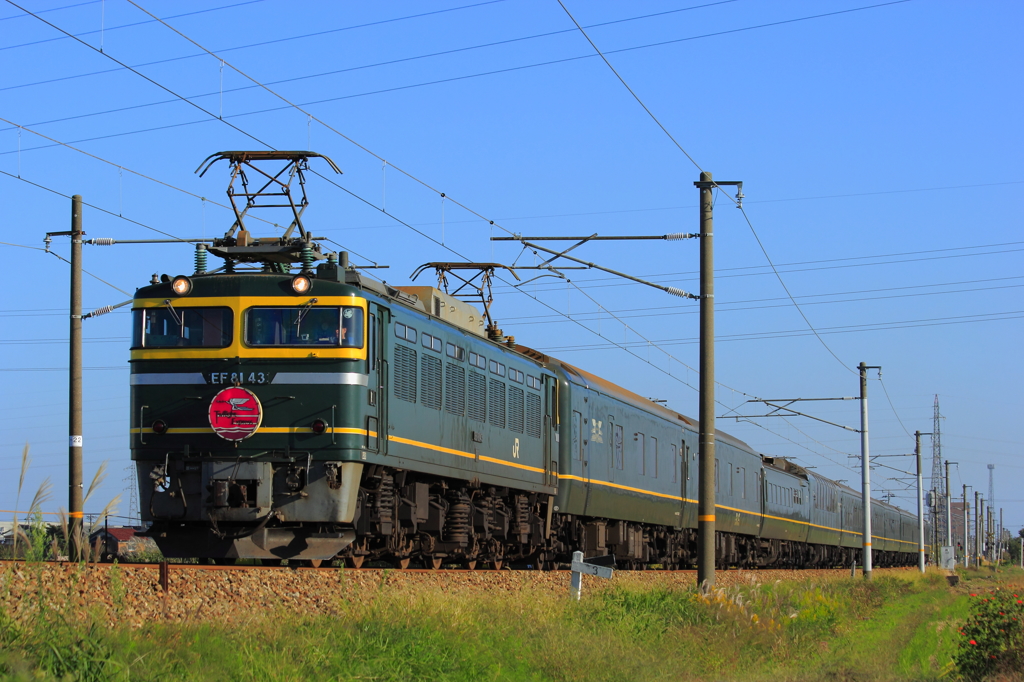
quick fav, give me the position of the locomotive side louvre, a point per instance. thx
(456, 410)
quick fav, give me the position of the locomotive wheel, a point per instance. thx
(469, 565)
(315, 563)
(354, 561)
(403, 563)
(497, 564)
(434, 562)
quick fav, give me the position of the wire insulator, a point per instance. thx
(200, 259)
(680, 235)
(307, 258)
(680, 293)
(102, 241)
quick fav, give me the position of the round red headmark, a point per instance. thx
(235, 413)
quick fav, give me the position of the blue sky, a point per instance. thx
(879, 148)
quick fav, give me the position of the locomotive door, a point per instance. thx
(377, 378)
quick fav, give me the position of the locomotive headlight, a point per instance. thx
(181, 285)
(160, 427)
(301, 284)
(318, 426)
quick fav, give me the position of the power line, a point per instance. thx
(846, 329)
(250, 45)
(93, 206)
(786, 288)
(311, 117)
(57, 255)
(694, 162)
(692, 206)
(886, 391)
(115, 28)
(136, 72)
(52, 9)
(427, 83)
(675, 311)
(615, 283)
(339, 71)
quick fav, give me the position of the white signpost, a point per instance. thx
(579, 567)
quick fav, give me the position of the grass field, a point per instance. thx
(896, 627)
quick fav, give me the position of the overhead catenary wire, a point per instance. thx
(680, 310)
(457, 78)
(694, 162)
(132, 25)
(739, 271)
(247, 46)
(365, 149)
(897, 414)
(135, 71)
(162, 183)
(338, 71)
(400, 170)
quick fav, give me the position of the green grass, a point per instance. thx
(894, 628)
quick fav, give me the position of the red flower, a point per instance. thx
(974, 595)
(973, 643)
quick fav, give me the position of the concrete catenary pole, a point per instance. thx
(920, 503)
(865, 457)
(999, 544)
(966, 514)
(75, 385)
(706, 446)
(977, 530)
(949, 510)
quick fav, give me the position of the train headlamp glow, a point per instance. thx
(301, 284)
(181, 285)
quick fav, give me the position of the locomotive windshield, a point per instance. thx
(307, 326)
(170, 327)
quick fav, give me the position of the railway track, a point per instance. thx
(172, 566)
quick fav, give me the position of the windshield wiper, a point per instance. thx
(174, 313)
(302, 315)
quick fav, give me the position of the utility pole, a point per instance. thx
(949, 508)
(74, 380)
(999, 556)
(988, 532)
(920, 501)
(865, 457)
(967, 514)
(706, 447)
(75, 385)
(977, 531)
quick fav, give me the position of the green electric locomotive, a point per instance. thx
(320, 414)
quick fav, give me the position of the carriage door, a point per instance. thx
(376, 370)
(550, 430)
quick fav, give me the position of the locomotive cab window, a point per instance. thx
(305, 326)
(169, 327)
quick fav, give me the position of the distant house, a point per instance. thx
(120, 542)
